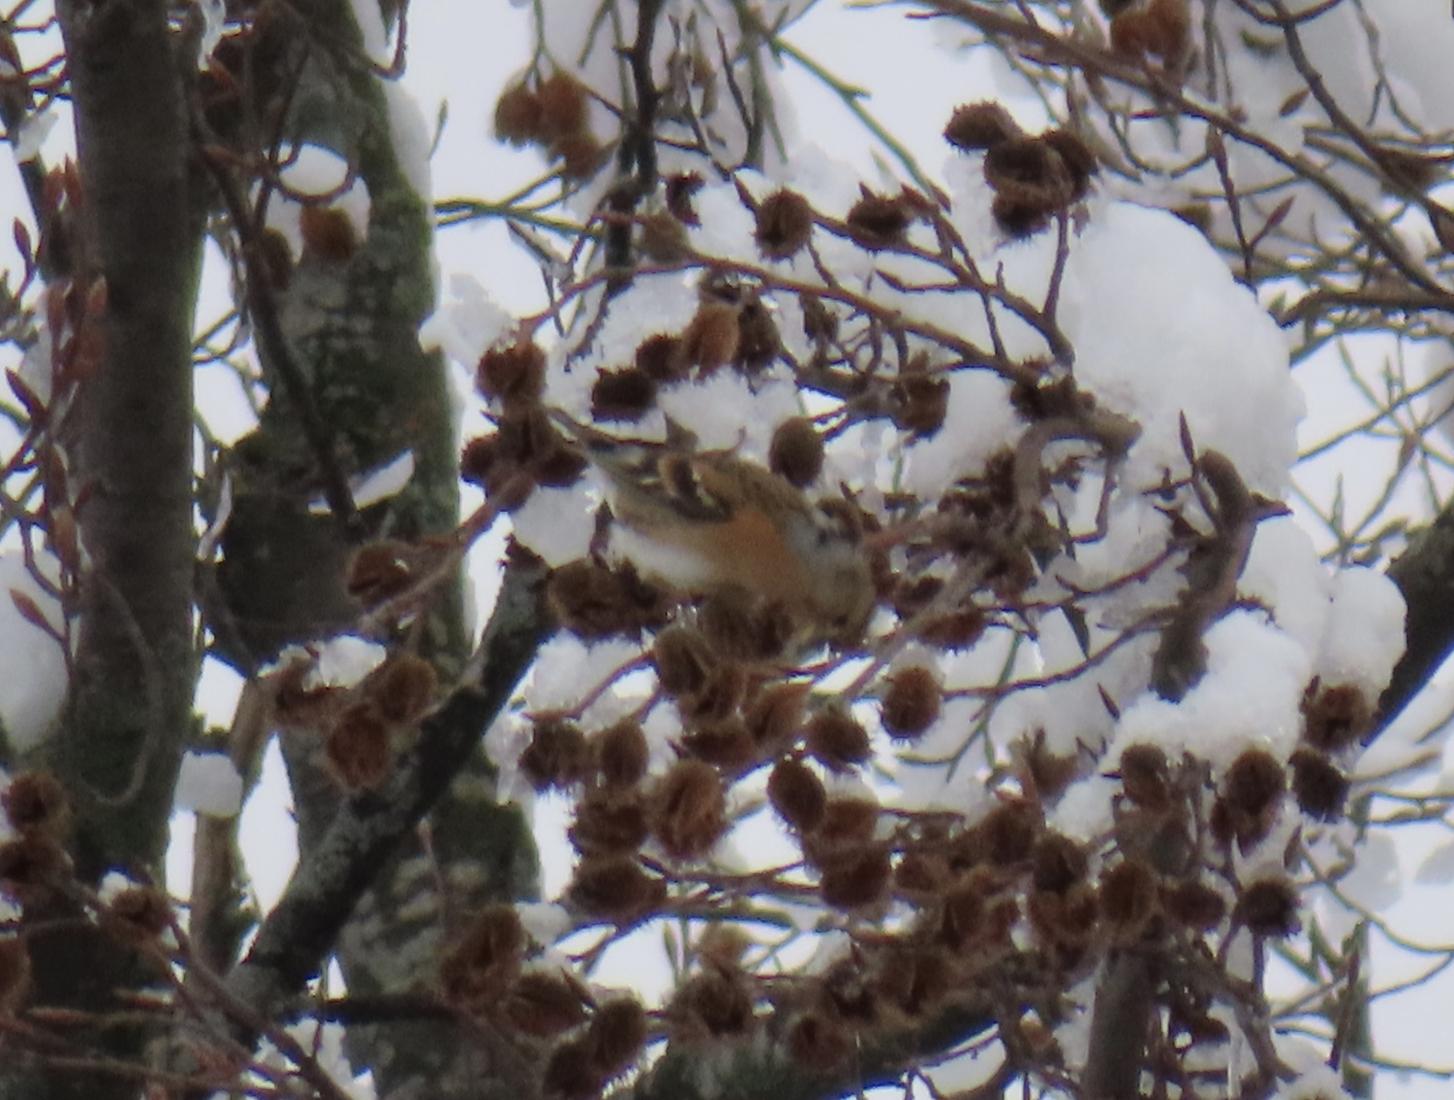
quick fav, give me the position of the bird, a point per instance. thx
(708, 522)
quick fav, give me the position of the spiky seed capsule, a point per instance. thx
(758, 342)
(837, 739)
(680, 188)
(1268, 907)
(712, 337)
(402, 688)
(622, 395)
(661, 358)
(564, 106)
(1319, 785)
(919, 400)
(797, 794)
(740, 626)
(847, 821)
(617, 1035)
(358, 751)
(1024, 165)
(722, 692)
(1076, 155)
(876, 222)
(517, 115)
(724, 743)
(379, 570)
(615, 888)
(36, 801)
(773, 718)
(1254, 783)
(15, 971)
(1170, 24)
(543, 1004)
(512, 373)
(622, 753)
(1006, 835)
(580, 155)
(31, 866)
(557, 756)
(784, 225)
(796, 451)
(328, 234)
(688, 809)
(856, 878)
(1059, 863)
(590, 600)
(1146, 776)
(982, 125)
(1129, 899)
(723, 945)
(910, 703)
(477, 968)
(962, 916)
(1335, 717)
(921, 875)
(609, 820)
(1194, 905)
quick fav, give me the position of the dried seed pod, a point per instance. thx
(837, 739)
(682, 659)
(797, 794)
(1268, 907)
(380, 570)
(564, 106)
(796, 451)
(580, 155)
(402, 688)
(662, 358)
(919, 400)
(680, 189)
(625, 395)
(517, 115)
(724, 743)
(545, 1003)
(615, 888)
(740, 626)
(1129, 899)
(571, 1073)
(512, 373)
(594, 601)
(819, 1041)
(609, 820)
(774, 717)
(621, 753)
(721, 693)
(784, 225)
(1006, 835)
(712, 337)
(1335, 717)
(1077, 157)
(1146, 776)
(688, 809)
(910, 702)
(982, 125)
(1251, 793)
(877, 221)
(1059, 863)
(557, 756)
(328, 234)
(758, 342)
(36, 801)
(856, 877)
(1319, 785)
(1194, 905)
(139, 914)
(617, 1035)
(358, 750)
(478, 968)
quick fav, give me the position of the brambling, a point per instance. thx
(708, 521)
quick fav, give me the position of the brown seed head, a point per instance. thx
(784, 225)
(1268, 907)
(1006, 835)
(1319, 785)
(878, 221)
(797, 794)
(484, 962)
(609, 820)
(571, 1074)
(1129, 899)
(617, 1035)
(402, 688)
(379, 570)
(856, 877)
(714, 1003)
(712, 337)
(796, 451)
(564, 106)
(1335, 717)
(615, 888)
(622, 395)
(139, 914)
(662, 358)
(724, 743)
(688, 810)
(1059, 863)
(621, 753)
(836, 739)
(557, 756)
(36, 801)
(1252, 789)
(545, 1003)
(680, 189)
(1146, 776)
(919, 400)
(512, 373)
(774, 717)
(517, 115)
(982, 125)
(358, 750)
(1193, 905)
(327, 233)
(910, 703)
(580, 155)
